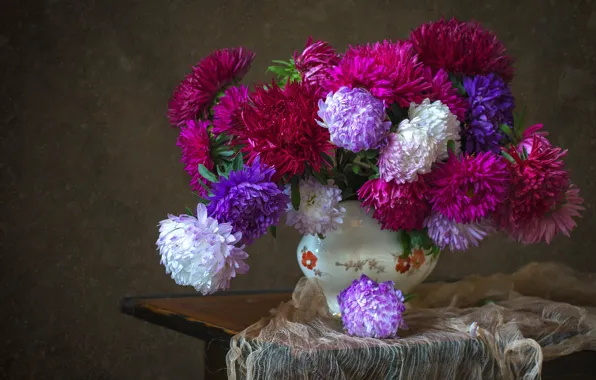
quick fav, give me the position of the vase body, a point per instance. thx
(357, 247)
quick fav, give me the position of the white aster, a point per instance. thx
(439, 122)
(319, 211)
(200, 252)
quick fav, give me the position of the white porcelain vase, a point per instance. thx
(360, 246)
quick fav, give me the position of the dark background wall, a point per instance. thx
(89, 164)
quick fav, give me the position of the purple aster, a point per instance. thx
(372, 310)
(457, 236)
(355, 119)
(249, 200)
(491, 104)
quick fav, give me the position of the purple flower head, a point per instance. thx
(249, 200)
(491, 104)
(355, 118)
(457, 236)
(372, 310)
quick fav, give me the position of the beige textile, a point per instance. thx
(539, 313)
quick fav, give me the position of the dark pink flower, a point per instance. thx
(442, 89)
(528, 135)
(461, 47)
(315, 61)
(194, 144)
(389, 70)
(466, 189)
(227, 114)
(196, 93)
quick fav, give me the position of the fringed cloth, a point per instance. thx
(539, 313)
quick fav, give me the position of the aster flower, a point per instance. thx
(388, 70)
(355, 119)
(442, 89)
(457, 236)
(249, 200)
(558, 220)
(369, 309)
(469, 188)
(396, 206)
(200, 252)
(227, 114)
(537, 184)
(315, 61)
(491, 104)
(527, 141)
(196, 93)
(461, 47)
(438, 121)
(409, 152)
(319, 211)
(194, 144)
(281, 128)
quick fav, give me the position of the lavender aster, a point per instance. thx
(249, 200)
(200, 252)
(355, 119)
(457, 236)
(491, 104)
(372, 310)
(319, 210)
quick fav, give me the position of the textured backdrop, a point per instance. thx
(89, 164)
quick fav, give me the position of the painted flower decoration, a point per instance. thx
(194, 144)
(319, 211)
(200, 252)
(355, 119)
(403, 265)
(417, 258)
(369, 309)
(309, 260)
(249, 200)
(197, 92)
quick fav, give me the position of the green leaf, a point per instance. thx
(204, 201)
(221, 138)
(451, 146)
(507, 130)
(226, 153)
(524, 153)
(319, 177)
(208, 175)
(407, 244)
(320, 236)
(295, 192)
(238, 162)
(327, 159)
(408, 297)
(280, 62)
(347, 193)
(207, 189)
(356, 169)
(435, 250)
(273, 231)
(507, 157)
(189, 211)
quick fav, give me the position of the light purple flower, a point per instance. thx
(200, 252)
(457, 236)
(372, 310)
(319, 210)
(355, 119)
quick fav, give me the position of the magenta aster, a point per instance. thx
(468, 188)
(442, 89)
(558, 220)
(227, 114)
(315, 61)
(396, 206)
(527, 141)
(197, 92)
(194, 144)
(389, 70)
(461, 47)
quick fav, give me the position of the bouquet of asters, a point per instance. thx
(421, 131)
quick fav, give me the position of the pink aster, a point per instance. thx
(194, 144)
(537, 184)
(558, 220)
(389, 70)
(461, 47)
(442, 89)
(227, 114)
(527, 141)
(396, 206)
(315, 61)
(196, 93)
(466, 189)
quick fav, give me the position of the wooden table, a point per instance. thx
(216, 318)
